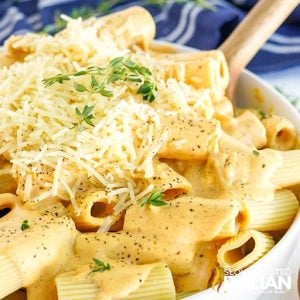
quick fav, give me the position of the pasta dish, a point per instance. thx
(126, 173)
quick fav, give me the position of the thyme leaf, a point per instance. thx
(25, 225)
(85, 116)
(119, 69)
(154, 199)
(100, 266)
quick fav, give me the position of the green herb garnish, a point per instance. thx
(147, 89)
(100, 266)
(119, 69)
(154, 199)
(255, 152)
(61, 78)
(85, 115)
(25, 225)
(263, 115)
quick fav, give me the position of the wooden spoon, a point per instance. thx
(249, 36)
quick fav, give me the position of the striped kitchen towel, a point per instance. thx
(202, 24)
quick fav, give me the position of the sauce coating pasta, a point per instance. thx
(124, 172)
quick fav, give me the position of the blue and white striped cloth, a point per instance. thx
(184, 23)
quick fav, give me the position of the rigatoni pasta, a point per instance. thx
(287, 174)
(201, 271)
(281, 134)
(246, 128)
(155, 282)
(128, 174)
(276, 214)
(10, 277)
(188, 138)
(93, 208)
(206, 69)
(244, 249)
(28, 245)
(168, 180)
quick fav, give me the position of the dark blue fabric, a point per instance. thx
(183, 23)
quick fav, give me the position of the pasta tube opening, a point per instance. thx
(173, 193)
(7, 204)
(4, 211)
(281, 133)
(234, 255)
(101, 209)
(244, 249)
(94, 207)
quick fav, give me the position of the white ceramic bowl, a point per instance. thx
(244, 285)
(267, 274)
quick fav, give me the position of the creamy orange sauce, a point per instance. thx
(189, 138)
(246, 128)
(203, 179)
(138, 248)
(204, 262)
(118, 282)
(218, 172)
(169, 233)
(192, 218)
(41, 248)
(244, 172)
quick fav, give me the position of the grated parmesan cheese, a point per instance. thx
(51, 157)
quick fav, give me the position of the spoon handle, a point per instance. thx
(249, 36)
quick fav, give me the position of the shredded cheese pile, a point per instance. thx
(48, 155)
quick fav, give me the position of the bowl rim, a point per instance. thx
(294, 228)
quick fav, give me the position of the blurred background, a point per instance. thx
(202, 24)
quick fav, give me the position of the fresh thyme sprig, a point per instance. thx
(61, 78)
(100, 266)
(154, 199)
(118, 69)
(25, 225)
(85, 115)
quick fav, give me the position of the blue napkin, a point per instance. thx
(183, 22)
